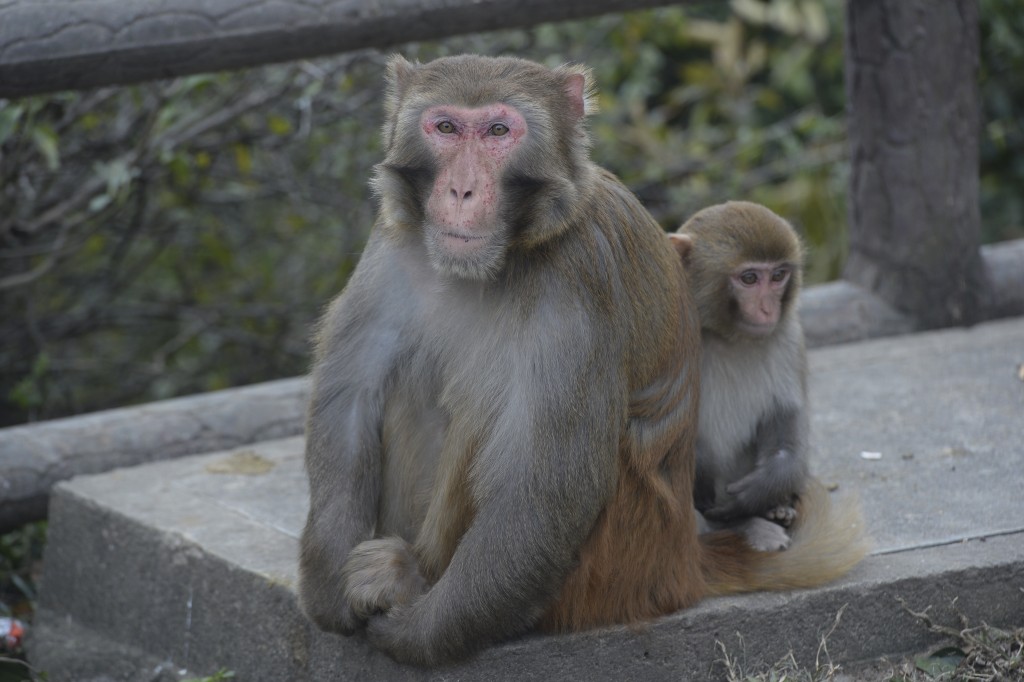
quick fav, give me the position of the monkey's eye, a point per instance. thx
(446, 127)
(780, 275)
(748, 277)
(499, 129)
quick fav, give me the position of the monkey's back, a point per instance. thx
(641, 560)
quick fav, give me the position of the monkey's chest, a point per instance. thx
(737, 392)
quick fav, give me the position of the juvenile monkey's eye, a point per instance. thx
(748, 277)
(780, 275)
(499, 129)
(446, 127)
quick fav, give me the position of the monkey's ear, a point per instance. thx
(399, 73)
(682, 243)
(579, 89)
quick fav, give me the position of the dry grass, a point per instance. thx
(974, 653)
(786, 669)
(971, 653)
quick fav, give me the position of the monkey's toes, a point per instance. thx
(784, 515)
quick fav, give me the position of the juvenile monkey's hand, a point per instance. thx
(769, 485)
(381, 574)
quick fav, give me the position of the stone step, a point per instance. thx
(190, 564)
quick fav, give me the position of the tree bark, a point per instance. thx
(49, 45)
(914, 118)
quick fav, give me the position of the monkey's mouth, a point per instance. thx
(755, 330)
(463, 243)
(466, 238)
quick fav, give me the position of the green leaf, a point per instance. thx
(9, 116)
(243, 159)
(99, 202)
(943, 661)
(279, 125)
(46, 142)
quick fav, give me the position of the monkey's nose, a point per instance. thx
(461, 197)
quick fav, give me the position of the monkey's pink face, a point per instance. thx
(472, 148)
(758, 289)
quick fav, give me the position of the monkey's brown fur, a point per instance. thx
(745, 264)
(725, 235)
(520, 419)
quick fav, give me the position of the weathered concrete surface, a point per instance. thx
(192, 561)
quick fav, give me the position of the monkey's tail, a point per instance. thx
(827, 542)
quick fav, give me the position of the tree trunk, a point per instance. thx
(913, 111)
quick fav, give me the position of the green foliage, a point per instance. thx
(219, 676)
(1002, 140)
(182, 236)
(21, 552)
(177, 237)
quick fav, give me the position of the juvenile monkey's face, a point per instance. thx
(758, 290)
(464, 232)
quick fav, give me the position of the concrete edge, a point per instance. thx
(194, 615)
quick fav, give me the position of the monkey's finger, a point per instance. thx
(349, 622)
(741, 486)
(724, 512)
(755, 480)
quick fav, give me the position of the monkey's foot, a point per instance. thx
(784, 515)
(764, 535)
(380, 574)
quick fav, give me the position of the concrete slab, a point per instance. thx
(190, 563)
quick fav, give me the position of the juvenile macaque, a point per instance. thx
(744, 263)
(504, 409)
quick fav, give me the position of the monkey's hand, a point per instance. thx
(409, 633)
(771, 483)
(380, 574)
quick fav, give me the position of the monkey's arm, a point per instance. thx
(780, 467)
(704, 480)
(539, 482)
(355, 351)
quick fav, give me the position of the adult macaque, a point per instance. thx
(504, 411)
(745, 265)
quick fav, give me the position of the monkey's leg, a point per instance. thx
(764, 535)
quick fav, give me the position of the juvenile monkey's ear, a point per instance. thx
(682, 243)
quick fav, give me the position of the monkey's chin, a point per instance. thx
(465, 256)
(755, 331)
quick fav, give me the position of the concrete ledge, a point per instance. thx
(192, 561)
(206, 588)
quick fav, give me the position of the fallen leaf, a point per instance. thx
(241, 462)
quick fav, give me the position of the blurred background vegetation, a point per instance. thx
(182, 236)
